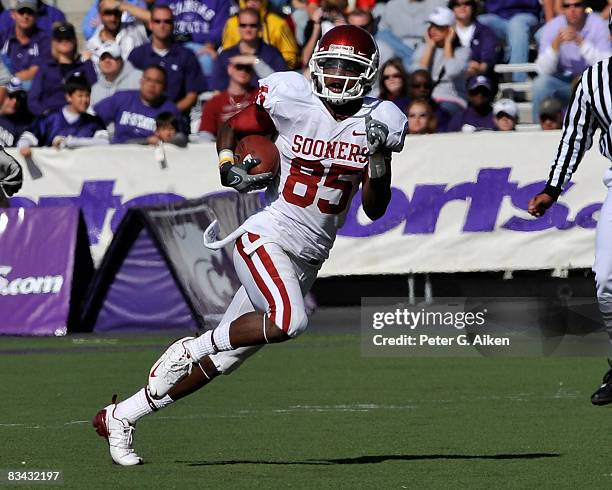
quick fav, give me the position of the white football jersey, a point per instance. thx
(322, 164)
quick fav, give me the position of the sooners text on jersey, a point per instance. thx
(322, 164)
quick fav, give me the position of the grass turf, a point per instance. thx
(310, 413)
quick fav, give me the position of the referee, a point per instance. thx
(590, 108)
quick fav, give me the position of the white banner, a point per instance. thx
(458, 201)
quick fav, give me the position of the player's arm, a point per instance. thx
(251, 120)
(376, 192)
(578, 128)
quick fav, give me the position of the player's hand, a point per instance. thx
(376, 134)
(237, 176)
(11, 175)
(539, 204)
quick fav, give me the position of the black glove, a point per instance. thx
(11, 175)
(237, 176)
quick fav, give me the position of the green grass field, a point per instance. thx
(310, 413)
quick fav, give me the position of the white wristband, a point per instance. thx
(226, 156)
(377, 167)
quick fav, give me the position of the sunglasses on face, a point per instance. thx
(26, 11)
(392, 75)
(418, 114)
(246, 68)
(421, 85)
(578, 5)
(167, 22)
(252, 26)
(114, 13)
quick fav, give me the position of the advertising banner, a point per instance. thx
(38, 250)
(459, 201)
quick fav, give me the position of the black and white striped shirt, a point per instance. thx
(590, 108)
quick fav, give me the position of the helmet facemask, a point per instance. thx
(349, 76)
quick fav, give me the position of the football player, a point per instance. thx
(331, 138)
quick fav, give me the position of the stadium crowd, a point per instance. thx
(172, 70)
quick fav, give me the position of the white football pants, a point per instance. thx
(272, 282)
(602, 267)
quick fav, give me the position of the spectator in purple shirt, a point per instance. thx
(201, 20)
(24, 46)
(69, 127)
(478, 114)
(47, 93)
(512, 21)
(133, 112)
(46, 16)
(569, 44)
(15, 117)
(251, 50)
(479, 38)
(185, 79)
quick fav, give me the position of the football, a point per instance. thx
(261, 148)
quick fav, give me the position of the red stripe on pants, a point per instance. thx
(257, 277)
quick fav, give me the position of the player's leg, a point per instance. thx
(273, 287)
(117, 421)
(603, 281)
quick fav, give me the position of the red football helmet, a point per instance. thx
(347, 58)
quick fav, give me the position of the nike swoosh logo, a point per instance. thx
(236, 180)
(355, 133)
(152, 375)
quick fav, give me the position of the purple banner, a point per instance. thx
(143, 295)
(37, 253)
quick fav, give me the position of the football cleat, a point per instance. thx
(174, 365)
(603, 395)
(119, 434)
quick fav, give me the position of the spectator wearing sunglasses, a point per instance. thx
(112, 29)
(47, 91)
(420, 87)
(46, 16)
(273, 29)
(239, 94)
(421, 118)
(569, 44)
(393, 83)
(250, 50)
(185, 78)
(92, 20)
(15, 118)
(480, 39)
(25, 46)
(478, 115)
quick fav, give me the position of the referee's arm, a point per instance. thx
(578, 128)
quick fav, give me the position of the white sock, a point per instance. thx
(211, 342)
(139, 405)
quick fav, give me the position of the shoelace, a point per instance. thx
(124, 441)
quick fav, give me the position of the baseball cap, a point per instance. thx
(442, 16)
(64, 30)
(479, 81)
(27, 4)
(506, 106)
(550, 107)
(111, 48)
